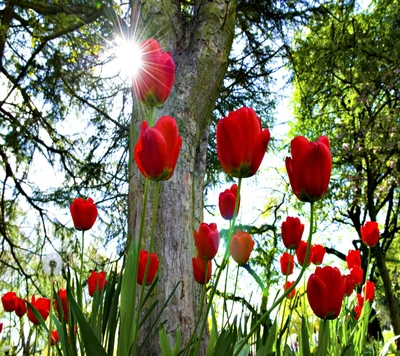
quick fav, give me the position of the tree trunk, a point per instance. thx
(200, 49)
(387, 286)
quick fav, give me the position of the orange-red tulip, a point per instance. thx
(292, 231)
(42, 305)
(157, 150)
(207, 240)
(301, 254)
(370, 233)
(62, 295)
(226, 202)
(292, 293)
(357, 274)
(153, 267)
(241, 142)
(241, 246)
(96, 280)
(154, 78)
(310, 168)
(9, 301)
(353, 258)
(317, 254)
(20, 309)
(369, 291)
(325, 292)
(287, 264)
(200, 268)
(84, 213)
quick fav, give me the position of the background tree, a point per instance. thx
(347, 87)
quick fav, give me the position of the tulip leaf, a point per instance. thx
(93, 346)
(270, 345)
(226, 342)
(348, 350)
(177, 343)
(305, 339)
(166, 349)
(214, 333)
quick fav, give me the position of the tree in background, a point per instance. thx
(347, 76)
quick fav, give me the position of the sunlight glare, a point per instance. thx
(129, 57)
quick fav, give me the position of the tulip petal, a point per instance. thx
(317, 294)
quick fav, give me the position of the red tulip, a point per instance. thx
(357, 274)
(157, 149)
(292, 231)
(62, 295)
(287, 264)
(241, 246)
(96, 281)
(359, 306)
(20, 308)
(42, 305)
(55, 338)
(9, 301)
(84, 213)
(348, 284)
(310, 168)
(241, 142)
(301, 253)
(317, 254)
(199, 270)
(154, 79)
(1, 327)
(353, 258)
(292, 293)
(226, 202)
(370, 233)
(207, 240)
(325, 292)
(153, 267)
(369, 291)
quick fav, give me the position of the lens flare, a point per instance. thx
(129, 57)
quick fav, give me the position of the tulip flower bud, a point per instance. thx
(370, 233)
(84, 213)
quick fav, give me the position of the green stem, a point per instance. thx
(225, 307)
(151, 116)
(81, 268)
(222, 267)
(234, 293)
(50, 314)
(203, 296)
(264, 317)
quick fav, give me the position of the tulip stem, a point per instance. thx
(222, 267)
(151, 116)
(225, 307)
(50, 313)
(81, 268)
(234, 292)
(263, 317)
(203, 296)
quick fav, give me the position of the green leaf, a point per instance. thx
(226, 342)
(348, 350)
(177, 343)
(214, 333)
(305, 339)
(166, 349)
(93, 346)
(270, 345)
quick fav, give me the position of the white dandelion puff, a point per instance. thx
(52, 264)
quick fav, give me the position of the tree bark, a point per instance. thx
(200, 48)
(391, 300)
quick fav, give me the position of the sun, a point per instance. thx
(128, 57)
